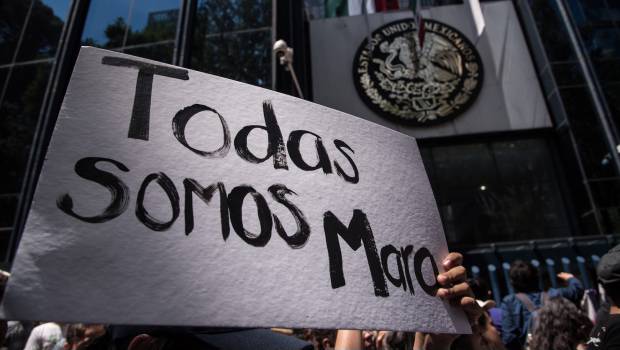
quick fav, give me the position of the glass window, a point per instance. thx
(106, 23)
(608, 70)
(233, 39)
(612, 94)
(159, 52)
(567, 74)
(20, 112)
(587, 130)
(43, 31)
(36, 26)
(153, 21)
(552, 31)
(12, 15)
(5, 239)
(221, 16)
(496, 191)
(602, 41)
(145, 28)
(244, 57)
(8, 205)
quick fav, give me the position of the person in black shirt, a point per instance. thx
(606, 333)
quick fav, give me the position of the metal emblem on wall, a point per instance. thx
(420, 88)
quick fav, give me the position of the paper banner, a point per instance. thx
(174, 197)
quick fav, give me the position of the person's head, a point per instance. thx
(560, 326)
(74, 335)
(608, 272)
(523, 276)
(484, 336)
(322, 339)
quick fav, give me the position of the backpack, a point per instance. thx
(533, 309)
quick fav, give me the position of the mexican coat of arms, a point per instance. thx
(417, 85)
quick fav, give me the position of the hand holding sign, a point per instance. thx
(195, 200)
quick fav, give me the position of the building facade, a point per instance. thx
(532, 160)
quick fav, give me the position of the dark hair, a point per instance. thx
(317, 336)
(612, 290)
(560, 325)
(75, 333)
(480, 288)
(523, 276)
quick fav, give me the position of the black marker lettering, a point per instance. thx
(341, 145)
(293, 143)
(300, 237)
(140, 115)
(173, 196)
(86, 169)
(358, 232)
(405, 252)
(418, 259)
(235, 202)
(205, 194)
(385, 254)
(180, 120)
(275, 144)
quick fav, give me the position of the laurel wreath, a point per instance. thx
(447, 107)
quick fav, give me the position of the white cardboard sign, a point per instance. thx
(174, 197)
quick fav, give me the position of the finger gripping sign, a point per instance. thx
(174, 197)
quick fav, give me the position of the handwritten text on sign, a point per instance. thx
(330, 156)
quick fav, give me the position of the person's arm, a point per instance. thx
(510, 327)
(349, 340)
(573, 291)
(34, 340)
(454, 288)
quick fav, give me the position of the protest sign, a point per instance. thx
(174, 197)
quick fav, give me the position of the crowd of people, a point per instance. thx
(565, 318)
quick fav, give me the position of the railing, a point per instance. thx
(576, 255)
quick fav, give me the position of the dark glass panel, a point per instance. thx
(552, 31)
(611, 219)
(8, 205)
(556, 106)
(161, 52)
(607, 70)
(474, 162)
(3, 74)
(243, 56)
(587, 131)
(580, 200)
(588, 224)
(12, 15)
(567, 73)
(612, 94)
(498, 191)
(220, 16)
(606, 192)
(602, 41)
(106, 23)
(529, 169)
(153, 21)
(613, 10)
(43, 31)
(546, 78)
(20, 111)
(597, 10)
(5, 239)
(574, 6)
